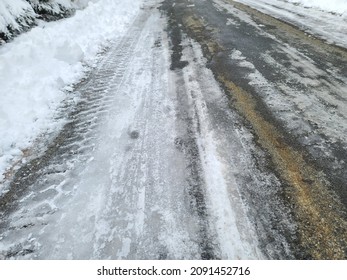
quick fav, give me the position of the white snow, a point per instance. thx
(338, 6)
(10, 10)
(136, 193)
(36, 66)
(323, 18)
(16, 14)
(55, 6)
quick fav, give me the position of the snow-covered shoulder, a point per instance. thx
(323, 18)
(36, 67)
(18, 16)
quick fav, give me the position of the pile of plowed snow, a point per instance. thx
(37, 66)
(337, 6)
(17, 16)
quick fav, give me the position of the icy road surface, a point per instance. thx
(139, 172)
(209, 131)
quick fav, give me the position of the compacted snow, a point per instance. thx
(36, 67)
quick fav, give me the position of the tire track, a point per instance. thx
(40, 183)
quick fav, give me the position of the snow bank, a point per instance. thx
(15, 14)
(326, 19)
(57, 6)
(35, 67)
(337, 6)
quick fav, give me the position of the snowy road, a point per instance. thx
(125, 177)
(209, 131)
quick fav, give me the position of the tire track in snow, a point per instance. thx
(112, 184)
(45, 181)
